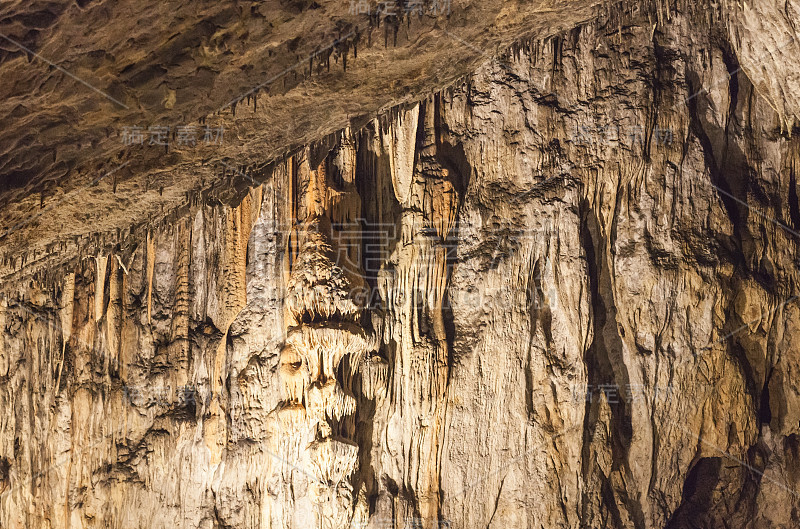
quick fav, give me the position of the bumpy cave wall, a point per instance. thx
(561, 293)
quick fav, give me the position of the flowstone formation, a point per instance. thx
(561, 293)
(326, 342)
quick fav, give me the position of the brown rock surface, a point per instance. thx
(242, 66)
(561, 292)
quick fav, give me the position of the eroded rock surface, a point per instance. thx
(98, 95)
(560, 293)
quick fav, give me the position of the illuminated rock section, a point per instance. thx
(325, 341)
(561, 294)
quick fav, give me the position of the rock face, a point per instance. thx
(116, 96)
(562, 292)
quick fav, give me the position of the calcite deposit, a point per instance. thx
(561, 291)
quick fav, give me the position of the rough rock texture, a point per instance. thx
(274, 74)
(560, 293)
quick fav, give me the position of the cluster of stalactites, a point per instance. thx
(326, 341)
(374, 377)
(310, 361)
(324, 313)
(321, 397)
(333, 460)
(323, 284)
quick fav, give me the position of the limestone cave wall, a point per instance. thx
(562, 292)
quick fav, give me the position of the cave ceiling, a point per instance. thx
(116, 113)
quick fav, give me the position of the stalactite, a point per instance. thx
(151, 263)
(114, 309)
(101, 261)
(236, 229)
(66, 314)
(181, 320)
(374, 377)
(333, 460)
(292, 417)
(323, 318)
(400, 142)
(329, 401)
